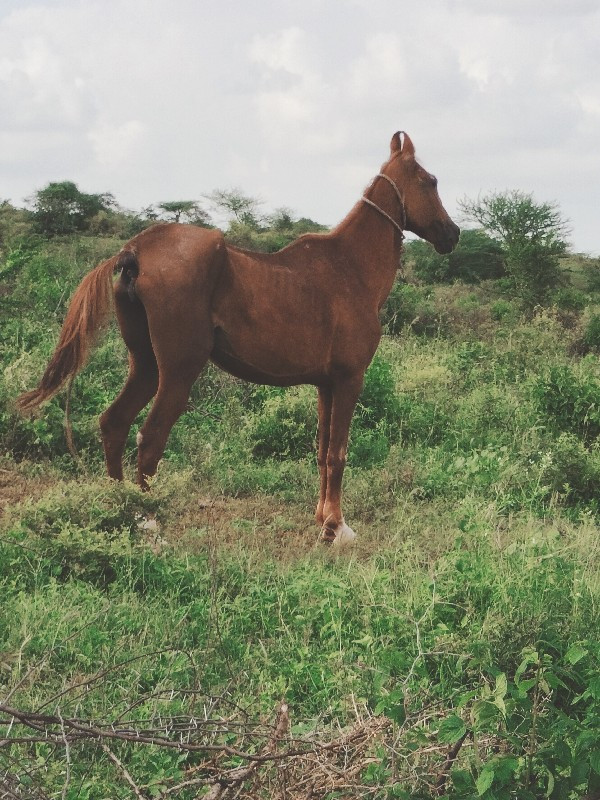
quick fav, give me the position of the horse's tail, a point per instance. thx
(87, 312)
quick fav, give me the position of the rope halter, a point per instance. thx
(369, 202)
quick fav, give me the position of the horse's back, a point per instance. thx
(178, 264)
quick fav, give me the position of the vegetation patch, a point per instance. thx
(197, 640)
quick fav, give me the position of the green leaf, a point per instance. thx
(595, 760)
(526, 685)
(397, 791)
(380, 707)
(499, 703)
(485, 715)
(562, 753)
(579, 772)
(505, 767)
(530, 657)
(451, 729)
(575, 653)
(485, 780)
(501, 685)
(462, 780)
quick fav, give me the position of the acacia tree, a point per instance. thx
(238, 206)
(533, 236)
(187, 211)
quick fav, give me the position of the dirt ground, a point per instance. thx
(263, 524)
(16, 485)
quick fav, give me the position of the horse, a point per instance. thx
(308, 314)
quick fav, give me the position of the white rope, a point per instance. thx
(384, 213)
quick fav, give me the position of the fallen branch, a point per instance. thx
(450, 759)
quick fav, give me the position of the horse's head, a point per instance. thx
(424, 213)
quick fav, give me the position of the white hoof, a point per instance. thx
(148, 524)
(344, 536)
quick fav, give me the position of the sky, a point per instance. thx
(296, 102)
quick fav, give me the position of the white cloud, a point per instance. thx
(297, 102)
(115, 143)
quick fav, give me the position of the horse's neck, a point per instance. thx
(375, 245)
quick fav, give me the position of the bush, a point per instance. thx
(591, 333)
(504, 310)
(477, 257)
(570, 403)
(409, 305)
(535, 271)
(378, 402)
(569, 298)
(532, 235)
(60, 208)
(286, 425)
(83, 530)
(592, 273)
(571, 471)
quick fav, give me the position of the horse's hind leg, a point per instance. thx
(171, 399)
(141, 384)
(182, 343)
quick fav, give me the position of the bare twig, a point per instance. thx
(119, 764)
(68, 426)
(67, 759)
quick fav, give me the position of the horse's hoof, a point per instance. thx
(147, 523)
(344, 536)
(341, 536)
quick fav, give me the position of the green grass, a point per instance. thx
(468, 607)
(429, 615)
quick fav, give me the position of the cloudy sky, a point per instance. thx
(295, 101)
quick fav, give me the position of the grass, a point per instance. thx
(465, 617)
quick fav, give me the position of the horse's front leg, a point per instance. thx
(344, 396)
(325, 401)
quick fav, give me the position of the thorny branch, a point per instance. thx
(304, 764)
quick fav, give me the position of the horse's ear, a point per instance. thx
(401, 142)
(396, 143)
(408, 148)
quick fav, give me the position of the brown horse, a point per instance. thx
(307, 314)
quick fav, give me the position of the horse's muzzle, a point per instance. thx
(448, 238)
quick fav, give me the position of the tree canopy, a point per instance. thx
(61, 208)
(185, 211)
(533, 236)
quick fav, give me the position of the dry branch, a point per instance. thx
(268, 761)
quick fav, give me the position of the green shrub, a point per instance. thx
(592, 273)
(569, 298)
(504, 310)
(477, 257)
(591, 333)
(570, 471)
(83, 529)
(411, 306)
(569, 402)
(368, 447)
(405, 305)
(286, 425)
(489, 414)
(378, 401)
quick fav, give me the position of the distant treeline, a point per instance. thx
(61, 209)
(514, 238)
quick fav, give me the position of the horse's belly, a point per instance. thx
(275, 360)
